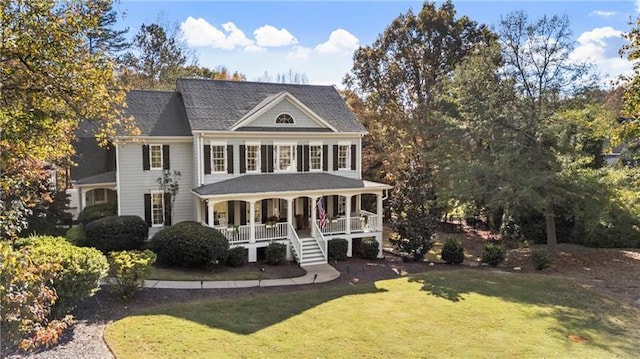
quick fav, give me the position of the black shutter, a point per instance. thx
(263, 158)
(335, 157)
(145, 158)
(147, 209)
(263, 210)
(335, 206)
(167, 209)
(243, 158)
(207, 159)
(325, 157)
(229, 158)
(165, 157)
(305, 153)
(305, 207)
(353, 205)
(353, 157)
(231, 214)
(270, 159)
(299, 157)
(243, 212)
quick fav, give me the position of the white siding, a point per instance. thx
(268, 119)
(134, 182)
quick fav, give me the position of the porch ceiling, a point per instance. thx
(286, 182)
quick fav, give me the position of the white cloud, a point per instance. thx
(199, 33)
(603, 13)
(637, 3)
(597, 47)
(269, 36)
(340, 41)
(299, 53)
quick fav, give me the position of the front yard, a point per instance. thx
(461, 313)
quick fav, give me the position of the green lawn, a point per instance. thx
(451, 314)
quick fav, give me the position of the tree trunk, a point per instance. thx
(550, 219)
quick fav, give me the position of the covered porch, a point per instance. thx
(88, 191)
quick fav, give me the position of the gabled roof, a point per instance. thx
(217, 105)
(102, 178)
(158, 113)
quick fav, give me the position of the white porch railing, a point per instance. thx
(322, 242)
(267, 232)
(365, 222)
(235, 235)
(296, 244)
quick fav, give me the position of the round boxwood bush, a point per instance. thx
(77, 236)
(276, 253)
(237, 257)
(493, 254)
(541, 259)
(338, 249)
(370, 248)
(97, 211)
(189, 244)
(117, 233)
(452, 252)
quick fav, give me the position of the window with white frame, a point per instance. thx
(155, 157)
(157, 209)
(315, 157)
(342, 205)
(218, 157)
(284, 118)
(285, 158)
(99, 196)
(253, 158)
(344, 154)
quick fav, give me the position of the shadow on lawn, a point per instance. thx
(581, 315)
(256, 311)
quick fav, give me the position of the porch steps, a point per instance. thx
(311, 253)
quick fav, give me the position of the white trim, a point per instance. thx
(279, 134)
(348, 159)
(316, 143)
(151, 167)
(144, 139)
(117, 189)
(276, 157)
(252, 115)
(275, 120)
(258, 156)
(226, 156)
(161, 193)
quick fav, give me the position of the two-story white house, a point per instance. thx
(260, 162)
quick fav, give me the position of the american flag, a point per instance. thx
(322, 215)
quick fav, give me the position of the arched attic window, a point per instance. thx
(284, 118)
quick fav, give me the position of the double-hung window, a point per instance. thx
(315, 157)
(218, 157)
(285, 157)
(344, 156)
(155, 157)
(253, 157)
(157, 209)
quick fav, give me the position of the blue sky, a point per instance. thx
(318, 38)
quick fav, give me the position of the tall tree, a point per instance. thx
(104, 37)
(629, 129)
(44, 95)
(290, 77)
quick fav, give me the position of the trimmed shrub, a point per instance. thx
(369, 248)
(130, 269)
(26, 301)
(77, 236)
(81, 270)
(493, 254)
(117, 233)
(276, 253)
(338, 248)
(97, 211)
(541, 259)
(452, 251)
(189, 244)
(237, 257)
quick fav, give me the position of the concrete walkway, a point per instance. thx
(319, 273)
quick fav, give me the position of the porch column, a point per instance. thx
(290, 212)
(210, 206)
(199, 210)
(252, 221)
(348, 212)
(359, 203)
(314, 213)
(80, 200)
(379, 211)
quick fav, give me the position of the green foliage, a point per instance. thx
(189, 244)
(370, 248)
(26, 301)
(237, 257)
(45, 218)
(541, 259)
(338, 248)
(276, 253)
(77, 236)
(117, 233)
(452, 251)
(129, 270)
(81, 270)
(493, 254)
(95, 212)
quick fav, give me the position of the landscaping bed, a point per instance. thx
(250, 271)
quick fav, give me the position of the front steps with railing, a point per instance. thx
(311, 253)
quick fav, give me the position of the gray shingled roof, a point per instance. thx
(217, 105)
(107, 177)
(287, 182)
(158, 113)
